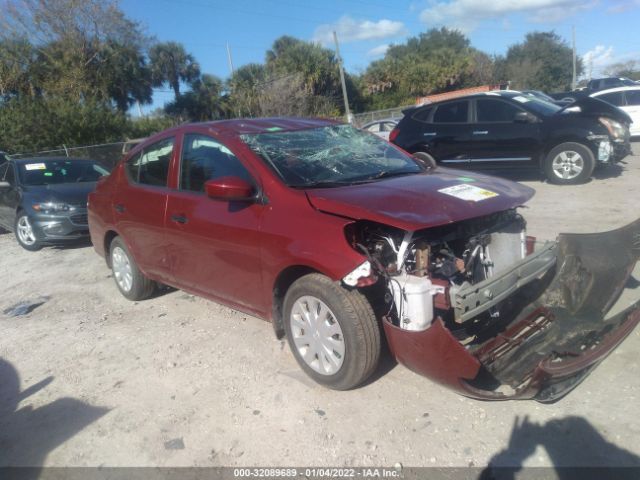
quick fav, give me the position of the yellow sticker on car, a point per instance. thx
(467, 192)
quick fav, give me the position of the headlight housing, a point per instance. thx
(52, 207)
(616, 129)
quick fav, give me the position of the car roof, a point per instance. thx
(382, 120)
(243, 126)
(20, 161)
(492, 93)
(616, 89)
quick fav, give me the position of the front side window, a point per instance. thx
(633, 97)
(151, 166)
(454, 112)
(489, 110)
(329, 156)
(614, 98)
(204, 159)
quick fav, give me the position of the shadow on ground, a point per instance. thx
(28, 434)
(576, 449)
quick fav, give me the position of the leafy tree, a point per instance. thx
(171, 64)
(244, 89)
(543, 62)
(630, 69)
(435, 61)
(204, 102)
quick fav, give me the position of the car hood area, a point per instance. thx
(594, 107)
(71, 193)
(413, 202)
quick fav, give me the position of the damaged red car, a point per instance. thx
(343, 240)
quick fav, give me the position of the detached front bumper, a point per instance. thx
(61, 227)
(556, 328)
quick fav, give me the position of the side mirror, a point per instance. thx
(230, 189)
(5, 185)
(524, 117)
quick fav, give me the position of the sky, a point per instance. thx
(605, 30)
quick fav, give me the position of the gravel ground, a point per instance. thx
(89, 378)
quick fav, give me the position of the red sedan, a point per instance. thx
(342, 240)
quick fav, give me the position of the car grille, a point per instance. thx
(79, 219)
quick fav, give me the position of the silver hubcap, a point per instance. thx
(122, 269)
(25, 232)
(317, 335)
(568, 165)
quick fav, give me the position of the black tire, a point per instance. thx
(141, 287)
(571, 150)
(32, 246)
(357, 321)
(427, 159)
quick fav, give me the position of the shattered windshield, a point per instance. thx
(330, 156)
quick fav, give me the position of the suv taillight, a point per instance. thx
(394, 134)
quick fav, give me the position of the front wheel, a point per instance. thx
(569, 163)
(25, 235)
(332, 332)
(130, 280)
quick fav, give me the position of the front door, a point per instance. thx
(9, 196)
(214, 245)
(140, 208)
(499, 140)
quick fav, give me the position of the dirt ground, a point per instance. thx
(89, 378)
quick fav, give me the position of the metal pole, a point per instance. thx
(573, 78)
(344, 85)
(229, 58)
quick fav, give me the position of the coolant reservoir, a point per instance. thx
(413, 298)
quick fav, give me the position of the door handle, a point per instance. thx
(480, 132)
(179, 219)
(429, 134)
(118, 207)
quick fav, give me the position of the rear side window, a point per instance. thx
(422, 115)
(203, 159)
(9, 175)
(454, 112)
(614, 98)
(633, 97)
(151, 166)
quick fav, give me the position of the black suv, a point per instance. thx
(501, 129)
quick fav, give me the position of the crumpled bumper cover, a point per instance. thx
(560, 328)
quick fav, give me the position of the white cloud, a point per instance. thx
(600, 57)
(466, 14)
(378, 51)
(352, 30)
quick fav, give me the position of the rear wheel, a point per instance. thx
(130, 280)
(25, 234)
(569, 163)
(332, 332)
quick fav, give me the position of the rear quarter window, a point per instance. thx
(422, 115)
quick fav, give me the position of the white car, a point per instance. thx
(382, 128)
(628, 100)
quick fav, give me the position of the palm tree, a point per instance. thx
(170, 63)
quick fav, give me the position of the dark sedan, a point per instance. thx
(508, 129)
(44, 200)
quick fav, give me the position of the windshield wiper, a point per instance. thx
(387, 174)
(322, 184)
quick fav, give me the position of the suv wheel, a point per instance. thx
(569, 163)
(130, 280)
(332, 332)
(25, 234)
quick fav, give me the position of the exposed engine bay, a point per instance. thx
(427, 272)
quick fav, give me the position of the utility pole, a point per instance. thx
(573, 79)
(229, 58)
(344, 85)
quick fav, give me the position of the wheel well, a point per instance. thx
(108, 238)
(559, 141)
(283, 282)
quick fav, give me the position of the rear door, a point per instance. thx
(498, 139)
(448, 133)
(140, 205)
(5, 198)
(214, 245)
(632, 107)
